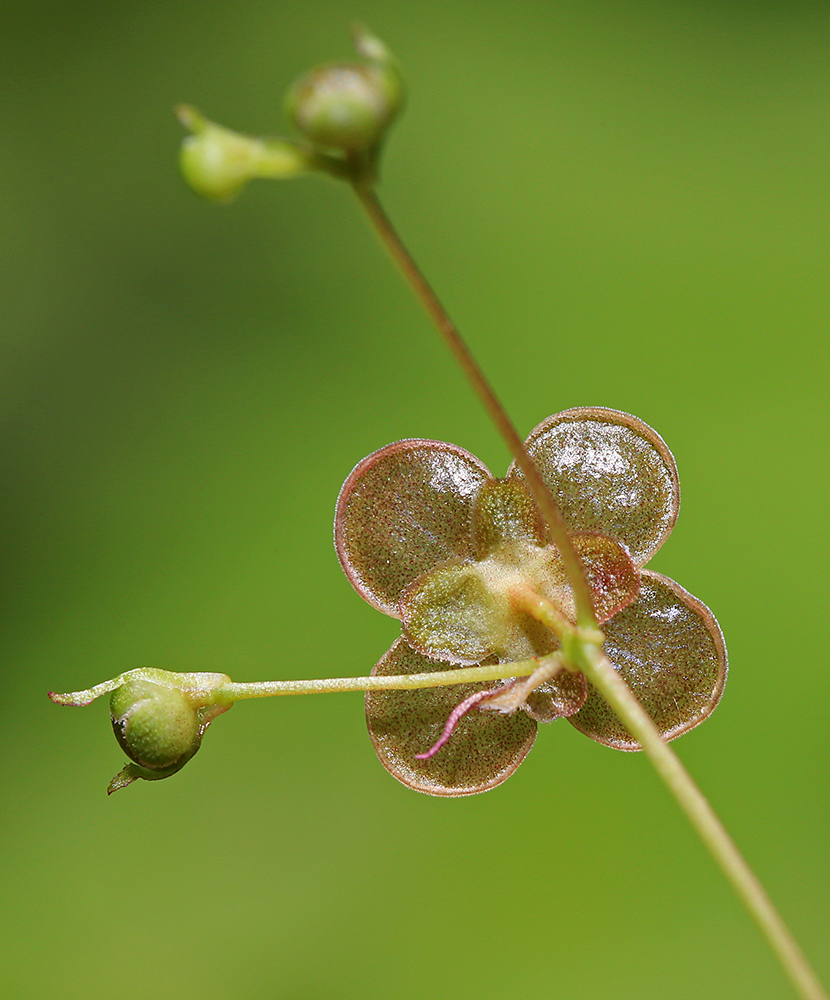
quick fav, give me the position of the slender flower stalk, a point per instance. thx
(699, 812)
(393, 682)
(541, 494)
(227, 690)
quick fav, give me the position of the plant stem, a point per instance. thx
(396, 682)
(605, 678)
(589, 654)
(703, 818)
(448, 330)
(220, 688)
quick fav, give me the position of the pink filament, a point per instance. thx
(456, 715)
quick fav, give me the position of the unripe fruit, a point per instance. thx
(156, 726)
(345, 107)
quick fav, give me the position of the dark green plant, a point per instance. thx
(522, 599)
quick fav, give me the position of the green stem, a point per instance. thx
(220, 689)
(397, 682)
(584, 651)
(448, 330)
(703, 818)
(601, 673)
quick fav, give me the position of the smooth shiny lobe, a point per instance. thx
(427, 535)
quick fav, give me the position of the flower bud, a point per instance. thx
(156, 726)
(159, 719)
(349, 106)
(217, 162)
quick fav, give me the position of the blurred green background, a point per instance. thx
(623, 204)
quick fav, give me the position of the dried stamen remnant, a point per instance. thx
(457, 713)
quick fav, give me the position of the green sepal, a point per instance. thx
(132, 772)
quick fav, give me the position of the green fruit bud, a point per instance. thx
(217, 162)
(157, 727)
(348, 107)
(159, 719)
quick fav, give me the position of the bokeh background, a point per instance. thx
(623, 204)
